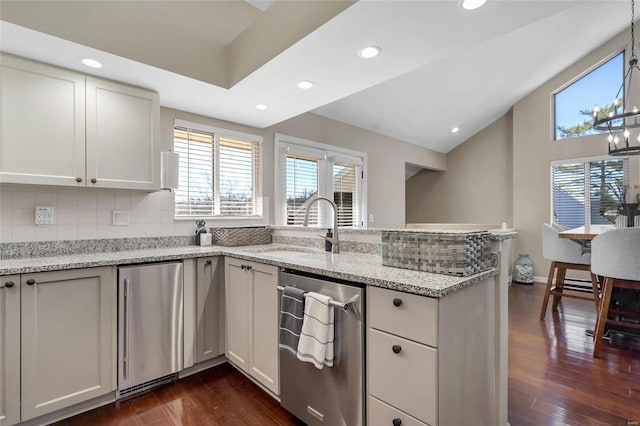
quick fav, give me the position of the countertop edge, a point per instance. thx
(67, 262)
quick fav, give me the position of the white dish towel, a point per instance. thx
(316, 338)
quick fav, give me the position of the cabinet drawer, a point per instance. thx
(381, 414)
(407, 379)
(415, 317)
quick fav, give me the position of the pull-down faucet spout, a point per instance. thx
(333, 240)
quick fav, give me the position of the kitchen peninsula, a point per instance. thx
(459, 311)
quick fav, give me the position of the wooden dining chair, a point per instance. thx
(564, 255)
(616, 257)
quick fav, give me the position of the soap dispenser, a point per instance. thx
(328, 245)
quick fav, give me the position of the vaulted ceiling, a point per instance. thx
(440, 67)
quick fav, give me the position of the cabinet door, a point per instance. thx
(43, 124)
(209, 308)
(68, 338)
(237, 287)
(123, 131)
(264, 365)
(9, 350)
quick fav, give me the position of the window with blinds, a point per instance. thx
(306, 170)
(344, 193)
(301, 186)
(219, 175)
(584, 192)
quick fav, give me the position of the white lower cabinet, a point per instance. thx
(252, 320)
(9, 350)
(431, 361)
(68, 332)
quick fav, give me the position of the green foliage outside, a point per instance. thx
(584, 128)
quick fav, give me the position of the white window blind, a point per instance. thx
(301, 185)
(306, 170)
(219, 175)
(344, 193)
(194, 197)
(584, 191)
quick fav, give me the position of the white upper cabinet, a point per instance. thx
(123, 133)
(43, 124)
(66, 129)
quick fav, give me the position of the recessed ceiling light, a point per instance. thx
(455, 130)
(472, 4)
(369, 52)
(91, 63)
(305, 84)
(262, 107)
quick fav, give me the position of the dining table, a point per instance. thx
(586, 232)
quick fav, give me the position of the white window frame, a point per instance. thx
(587, 181)
(330, 153)
(261, 209)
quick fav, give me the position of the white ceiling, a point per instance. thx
(440, 66)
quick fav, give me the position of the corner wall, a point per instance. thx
(475, 188)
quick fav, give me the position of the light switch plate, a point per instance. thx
(45, 215)
(120, 218)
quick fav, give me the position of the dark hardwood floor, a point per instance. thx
(553, 380)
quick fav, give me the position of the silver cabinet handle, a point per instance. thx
(125, 343)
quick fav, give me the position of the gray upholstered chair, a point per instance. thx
(565, 254)
(616, 257)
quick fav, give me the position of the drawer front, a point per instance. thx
(415, 317)
(407, 379)
(381, 414)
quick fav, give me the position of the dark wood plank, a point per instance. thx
(553, 377)
(553, 380)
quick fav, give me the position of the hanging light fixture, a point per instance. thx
(619, 119)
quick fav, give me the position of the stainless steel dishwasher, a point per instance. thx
(334, 395)
(150, 324)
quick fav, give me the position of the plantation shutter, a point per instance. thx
(238, 165)
(301, 177)
(219, 175)
(587, 192)
(606, 178)
(194, 197)
(344, 193)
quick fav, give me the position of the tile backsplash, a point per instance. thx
(84, 213)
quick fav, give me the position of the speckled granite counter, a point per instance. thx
(357, 267)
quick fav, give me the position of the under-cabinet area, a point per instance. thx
(76, 339)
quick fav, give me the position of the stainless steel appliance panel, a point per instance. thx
(334, 395)
(150, 322)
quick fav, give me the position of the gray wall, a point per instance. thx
(475, 188)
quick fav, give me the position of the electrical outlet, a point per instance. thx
(370, 217)
(120, 218)
(45, 216)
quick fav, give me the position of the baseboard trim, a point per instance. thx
(201, 366)
(65, 413)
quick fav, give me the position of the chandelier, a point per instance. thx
(618, 119)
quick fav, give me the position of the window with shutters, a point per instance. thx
(219, 172)
(584, 191)
(305, 170)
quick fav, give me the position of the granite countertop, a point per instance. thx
(357, 267)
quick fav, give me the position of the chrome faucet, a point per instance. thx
(333, 240)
